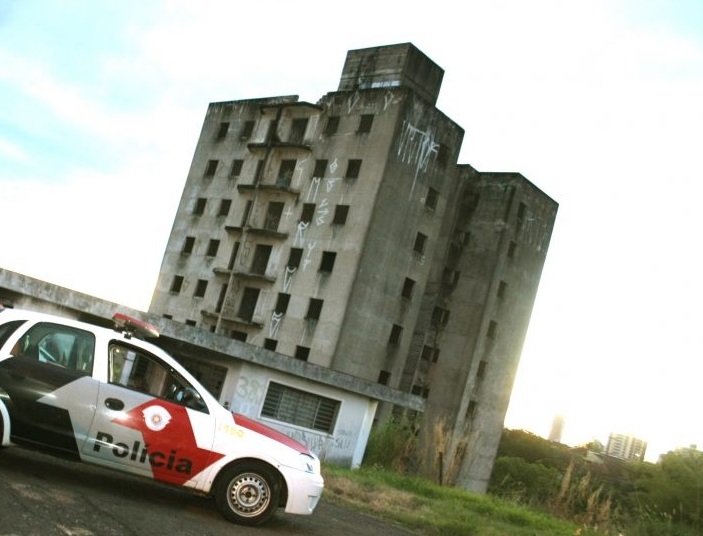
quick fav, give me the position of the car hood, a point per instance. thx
(271, 433)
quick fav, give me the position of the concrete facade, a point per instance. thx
(345, 234)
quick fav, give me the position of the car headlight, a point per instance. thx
(309, 464)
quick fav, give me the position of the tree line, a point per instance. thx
(628, 497)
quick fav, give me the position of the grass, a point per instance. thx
(428, 509)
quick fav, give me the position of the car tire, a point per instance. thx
(247, 493)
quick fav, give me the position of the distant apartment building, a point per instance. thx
(625, 447)
(557, 429)
(344, 234)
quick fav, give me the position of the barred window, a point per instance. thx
(300, 408)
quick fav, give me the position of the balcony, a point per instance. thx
(279, 186)
(254, 276)
(298, 145)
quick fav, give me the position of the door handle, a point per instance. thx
(114, 403)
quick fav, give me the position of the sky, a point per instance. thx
(598, 103)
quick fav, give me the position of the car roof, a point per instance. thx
(7, 314)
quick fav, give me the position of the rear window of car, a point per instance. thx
(8, 329)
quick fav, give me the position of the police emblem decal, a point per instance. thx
(156, 418)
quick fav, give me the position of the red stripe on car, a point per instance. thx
(259, 428)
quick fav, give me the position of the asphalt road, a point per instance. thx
(46, 496)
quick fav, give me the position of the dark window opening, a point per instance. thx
(491, 333)
(247, 211)
(262, 253)
(212, 247)
(296, 254)
(211, 168)
(177, 284)
(521, 209)
(502, 287)
(332, 125)
(233, 256)
(353, 169)
(481, 372)
(273, 215)
(302, 353)
(199, 208)
(440, 317)
(429, 354)
(511, 250)
(248, 304)
(259, 170)
(285, 173)
(320, 168)
(327, 262)
(188, 244)
(450, 277)
(431, 198)
(384, 377)
(191, 323)
(247, 130)
(200, 288)
(308, 212)
(221, 298)
(225, 205)
(341, 212)
(443, 155)
(282, 303)
(314, 309)
(471, 409)
(365, 124)
(238, 335)
(297, 131)
(408, 287)
(420, 243)
(396, 332)
(419, 390)
(222, 131)
(236, 169)
(271, 344)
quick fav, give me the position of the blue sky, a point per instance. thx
(598, 103)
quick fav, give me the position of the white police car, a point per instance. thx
(109, 398)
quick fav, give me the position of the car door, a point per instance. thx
(149, 419)
(49, 386)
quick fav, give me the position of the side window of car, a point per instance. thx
(137, 370)
(58, 345)
(8, 329)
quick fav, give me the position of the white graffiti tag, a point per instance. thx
(307, 260)
(322, 212)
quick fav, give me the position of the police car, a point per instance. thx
(109, 398)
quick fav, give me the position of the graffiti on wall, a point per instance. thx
(416, 148)
(339, 446)
(249, 393)
(276, 319)
(534, 231)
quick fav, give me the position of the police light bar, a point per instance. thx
(134, 326)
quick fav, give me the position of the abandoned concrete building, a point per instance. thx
(344, 234)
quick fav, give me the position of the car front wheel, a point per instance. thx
(247, 493)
